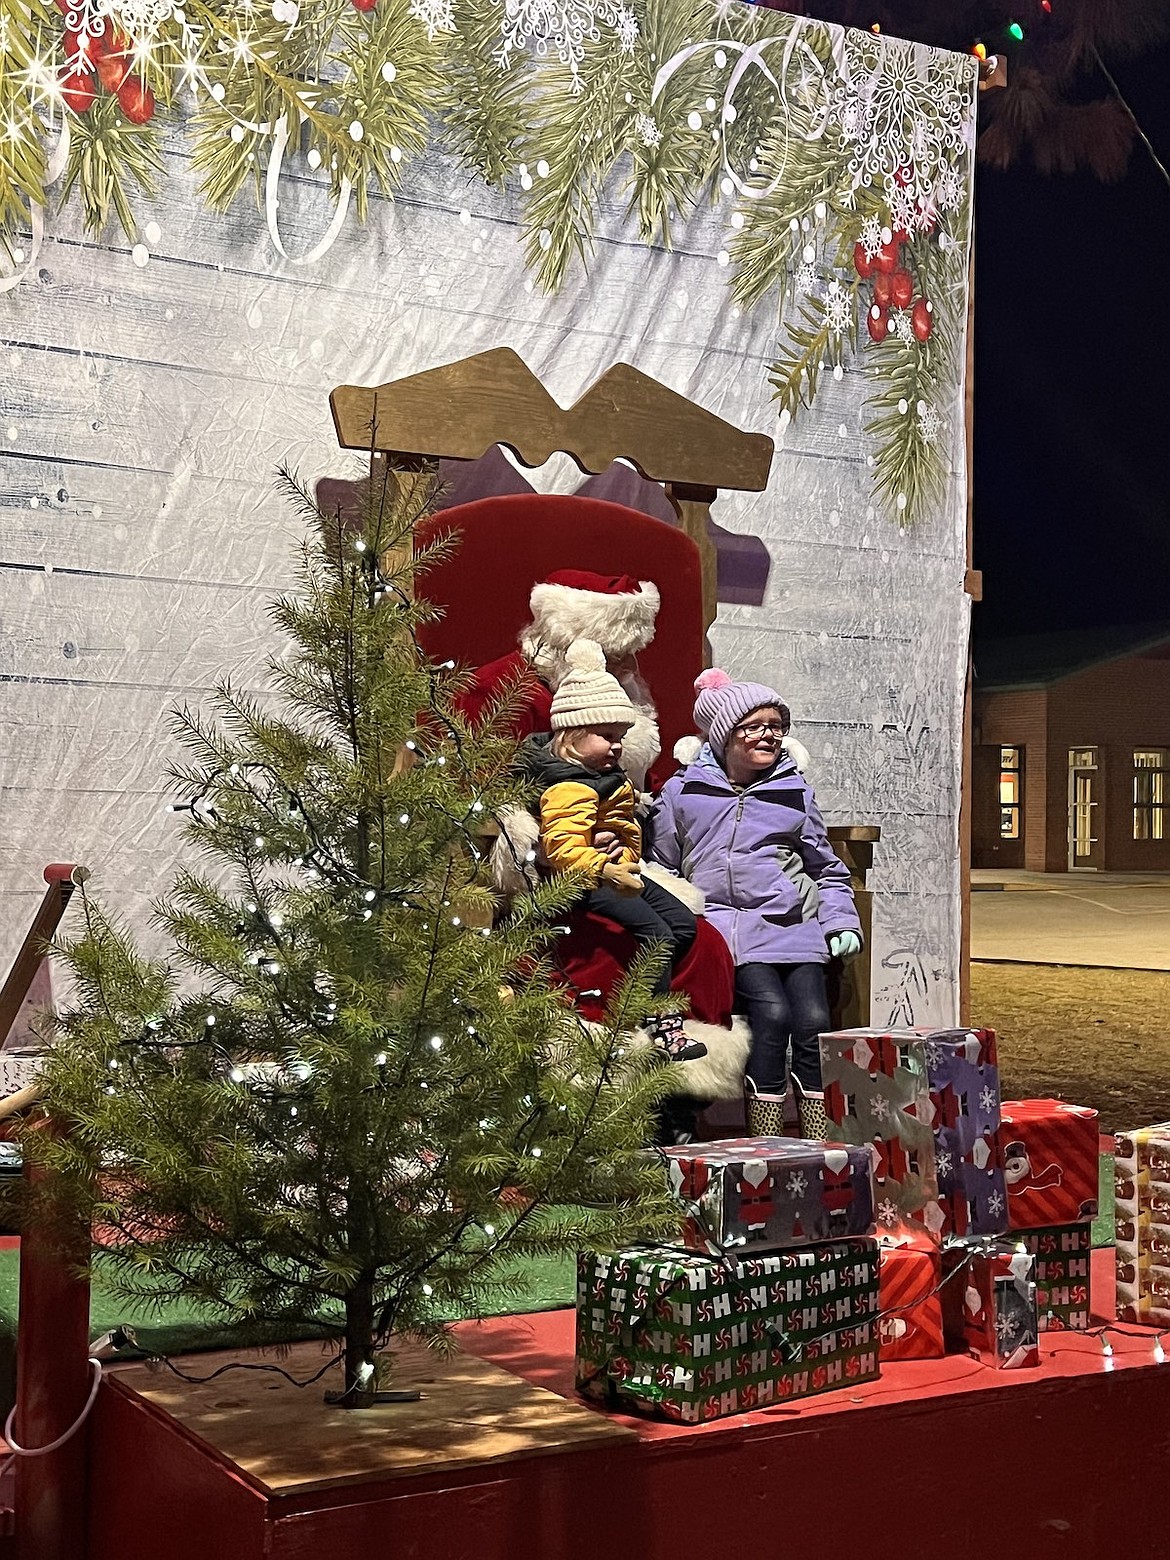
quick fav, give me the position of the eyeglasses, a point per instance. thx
(759, 728)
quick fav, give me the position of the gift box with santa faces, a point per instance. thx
(767, 1193)
(1142, 1231)
(1051, 1160)
(911, 1324)
(877, 1095)
(1063, 1275)
(691, 1338)
(962, 1072)
(989, 1307)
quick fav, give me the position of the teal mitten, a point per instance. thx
(844, 945)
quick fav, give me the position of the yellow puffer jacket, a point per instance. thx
(571, 812)
(575, 804)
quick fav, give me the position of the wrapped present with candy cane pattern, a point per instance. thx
(1064, 1271)
(1051, 1158)
(1142, 1231)
(962, 1072)
(765, 1193)
(690, 1338)
(877, 1095)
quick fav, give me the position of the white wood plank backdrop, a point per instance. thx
(146, 408)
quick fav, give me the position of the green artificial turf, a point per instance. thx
(180, 1328)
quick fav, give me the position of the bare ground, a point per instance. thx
(1095, 1037)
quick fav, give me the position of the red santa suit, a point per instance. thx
(619, 613)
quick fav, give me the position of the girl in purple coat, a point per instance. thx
(742, 824)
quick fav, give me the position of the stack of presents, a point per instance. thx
(936, 1219)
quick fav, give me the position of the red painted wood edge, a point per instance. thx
(54, 1377)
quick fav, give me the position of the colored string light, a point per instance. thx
(1017, 32)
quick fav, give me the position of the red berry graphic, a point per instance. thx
(888, 256)
(78, 91)
(922, 318)
(901, 287)
(862, 263)
(877, 322)
(85, 50)
(363, 5)
(136, 100)
(114, 64)
(883, 289)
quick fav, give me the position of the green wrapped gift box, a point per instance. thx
(1064, 1271)
(690, 1338)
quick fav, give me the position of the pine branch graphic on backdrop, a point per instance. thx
(343, 1101)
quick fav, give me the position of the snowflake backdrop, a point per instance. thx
(768, 214)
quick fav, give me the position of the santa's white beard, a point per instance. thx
(642, 743)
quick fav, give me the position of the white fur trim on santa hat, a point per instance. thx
(620, 624)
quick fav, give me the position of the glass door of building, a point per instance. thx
(1085, 842)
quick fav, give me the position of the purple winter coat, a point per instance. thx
(775, 887)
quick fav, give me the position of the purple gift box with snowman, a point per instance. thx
(962, 1071)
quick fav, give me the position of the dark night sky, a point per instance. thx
(1072, 387)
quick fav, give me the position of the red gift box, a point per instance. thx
(911, 1321)
(1051, 1162)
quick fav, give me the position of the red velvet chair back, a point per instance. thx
(510, 542)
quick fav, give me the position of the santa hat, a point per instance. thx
(616, 611)
(588, 695)
(722, 703)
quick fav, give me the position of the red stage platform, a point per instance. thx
(947, 1457)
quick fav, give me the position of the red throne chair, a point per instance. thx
(484, 590)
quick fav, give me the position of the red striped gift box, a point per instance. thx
(1051, 1154)
(911, 1323)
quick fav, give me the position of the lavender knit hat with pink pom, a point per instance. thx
(722, 703)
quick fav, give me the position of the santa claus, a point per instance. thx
(618, 613)
(615, 611)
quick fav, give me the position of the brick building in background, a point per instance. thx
(1071, 760)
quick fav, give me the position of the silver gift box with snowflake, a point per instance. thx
(767, 1193)
(877, 1096)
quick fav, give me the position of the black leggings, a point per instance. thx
(656, 919)
(786, 1004)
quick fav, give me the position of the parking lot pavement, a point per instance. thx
(1117, 920)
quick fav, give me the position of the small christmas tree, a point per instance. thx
(347, 1101)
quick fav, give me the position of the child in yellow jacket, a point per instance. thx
(584, 793)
